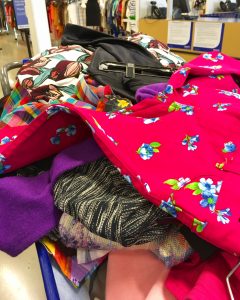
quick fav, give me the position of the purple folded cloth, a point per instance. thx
(27, 210)
(149, 91)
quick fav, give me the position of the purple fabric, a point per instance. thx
(150, 91)
(27, 210)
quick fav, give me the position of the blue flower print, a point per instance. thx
(5, 140)
(2, 158)
(229, 147)
(55, 140)
(221, 106)
(233, 93)
(209, 200)
(184, 71)
(71, 130)
(210, 193)
(151, 120)
(190, 90)
(175, 106)
(4, 168)
(206, 185)
(169, 89)
(52, 110)
(208, 56)
(170, 207)
(188, 109)
(146, 151)
(222, 215)
(219, 56)
(189, 141)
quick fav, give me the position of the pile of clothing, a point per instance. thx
(107, 155)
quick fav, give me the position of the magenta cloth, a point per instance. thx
(180, 150)
(27, 205)
(150, 91)
(197, 280)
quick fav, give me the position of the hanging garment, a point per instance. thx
(93, 16)
(102, 200)
(28, 204)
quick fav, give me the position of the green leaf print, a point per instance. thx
(171, 181)
(155, 144)
(155, 150)
(192, 186)
(197, 192)
(199, 225)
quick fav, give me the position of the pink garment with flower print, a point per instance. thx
(180, 149)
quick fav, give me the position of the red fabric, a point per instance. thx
(136, 274)
(196, 280)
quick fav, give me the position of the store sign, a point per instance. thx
(180, 34)
(20, 14)
(208, 36)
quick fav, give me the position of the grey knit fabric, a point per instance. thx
(102, 200)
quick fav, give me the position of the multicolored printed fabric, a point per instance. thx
(180, 149)
(161, 51)
(69, 266)
(56, 76)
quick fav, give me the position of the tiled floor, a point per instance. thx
(20, 277)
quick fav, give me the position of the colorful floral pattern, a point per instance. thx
(184, 71)
(52, 110)
(209, 193)
(3, 167)
(175, 106)
(150, 121)
(146, 151)
(208, 56)
(229, 147)
(190, 90)
(71, 130)
(221, 106)
(170, 207)
(199, 225)
(233, 93)
(219, 77)
(177, 184)
(7, 140)
(189, 141)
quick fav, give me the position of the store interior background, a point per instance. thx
(20, 277)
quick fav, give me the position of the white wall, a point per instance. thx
(212, 6)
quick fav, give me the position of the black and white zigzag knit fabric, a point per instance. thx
(99, 197)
